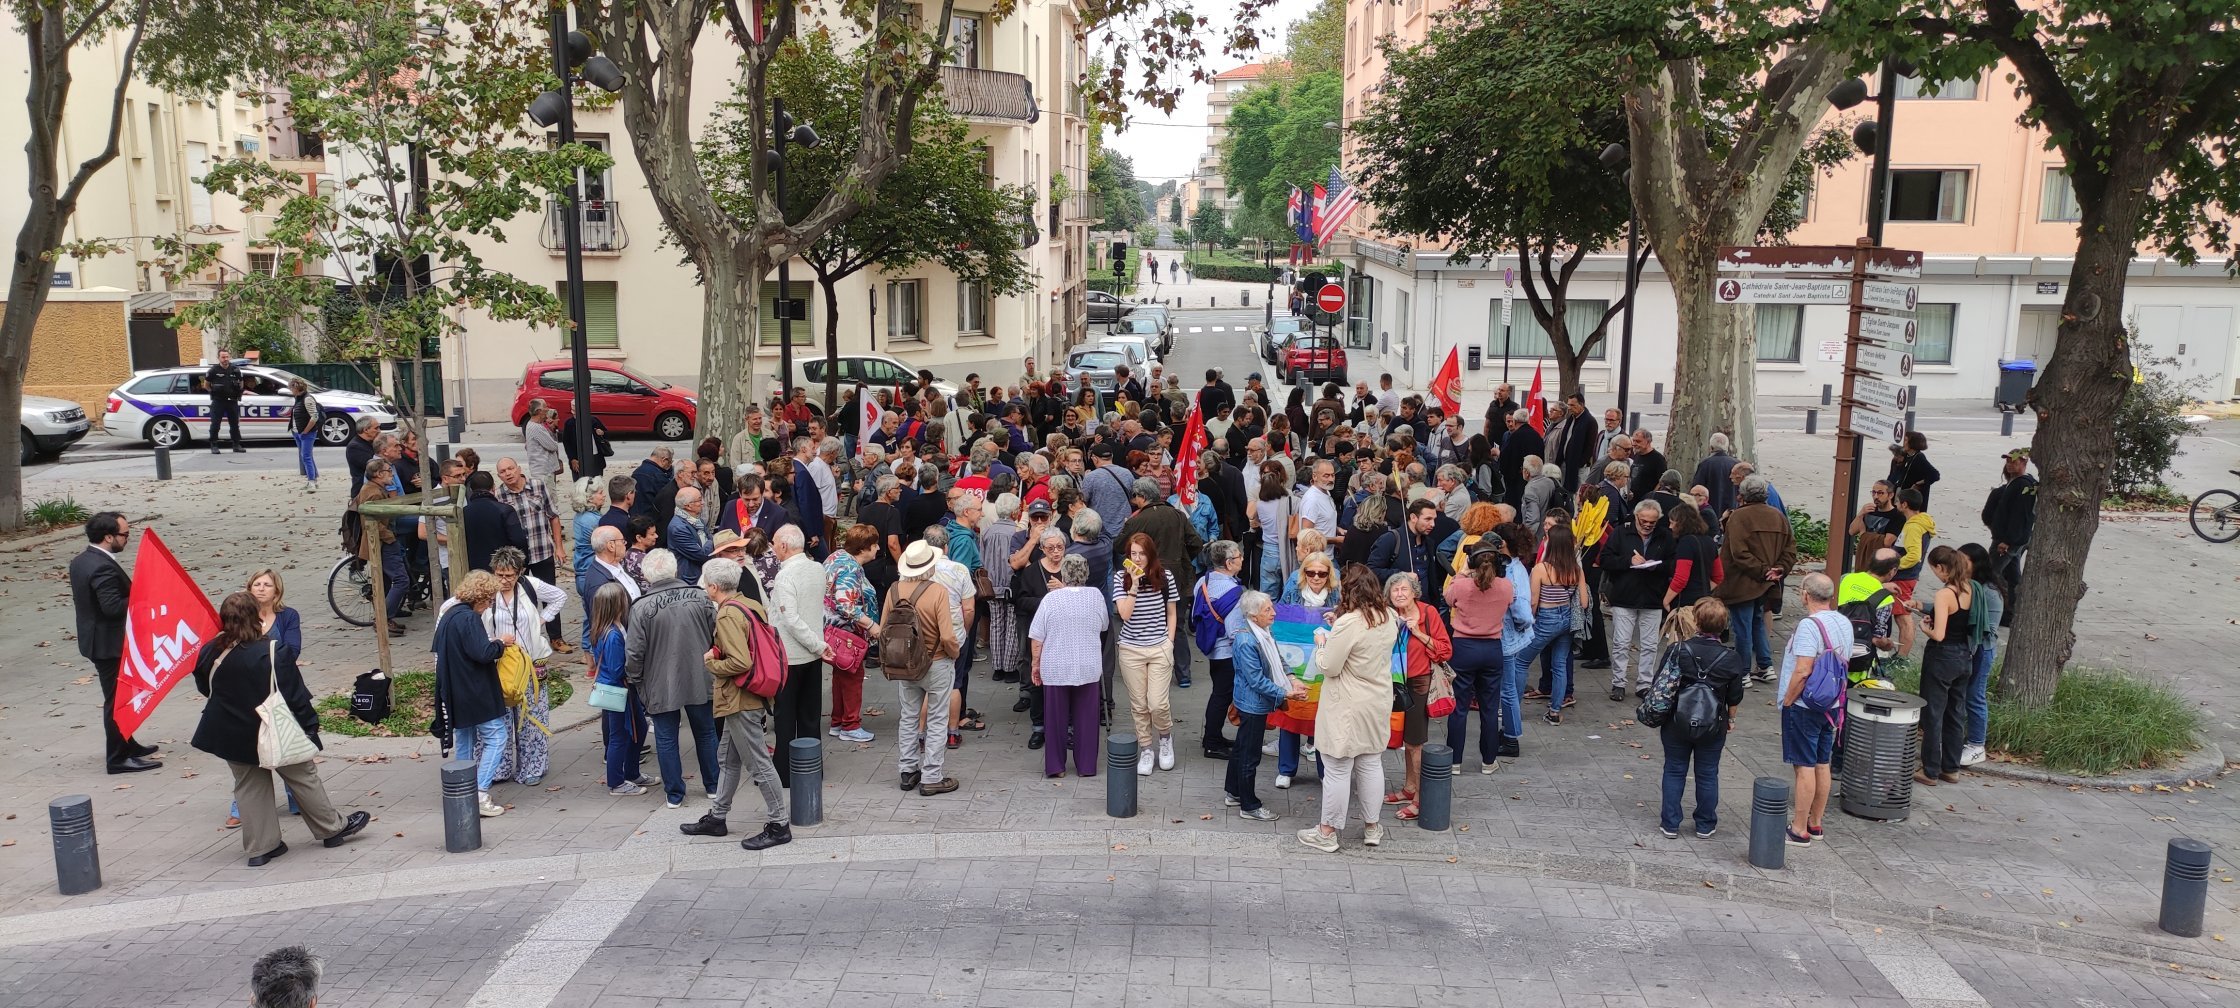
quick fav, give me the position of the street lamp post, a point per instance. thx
(1613, 157)
(784, 131)
(572, 60)
(1874, 139)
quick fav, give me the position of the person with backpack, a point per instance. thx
(744, 645)
(1691, 704)
(671, 626)
(1947, 664)
(918, 652)
(1811, 688)
(1214, 621)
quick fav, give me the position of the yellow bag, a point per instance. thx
(517, 675)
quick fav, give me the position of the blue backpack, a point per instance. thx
(1209, 619)
(1823, 687)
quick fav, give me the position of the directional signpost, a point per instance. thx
(1879, 394)
(1891, 364)
(1878, 425)
(1888, 330)
(1732, 291)
(1890, 296)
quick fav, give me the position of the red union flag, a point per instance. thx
(1186, 460)
(1536, 408)
(1447, 384)
(165, 624)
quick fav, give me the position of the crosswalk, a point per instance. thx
(1215, 329)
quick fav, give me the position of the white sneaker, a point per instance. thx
(1230, 801)
(1306, 750)
(1488, 768)
(1268, 748)
(1166, 752)
(490, 810)
(1971, 755)
(1143, 763)
(1313, 837)
(1372, 834)
(1283, 782)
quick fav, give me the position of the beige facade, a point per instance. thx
(1014, 85)
(1228, 87)
(1974, 190)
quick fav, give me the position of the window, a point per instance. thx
(2057, 197)
(964, 40)
(563, 381)
(1527, 339)
(599, 326)
(972, 308)
(798, 290)
(264, 263)
(1780, 333)
(198, 195)
(1963, 89)
(1933, 327)
(883, 372)
(1939, 195)
(611, 382)
(905, 311)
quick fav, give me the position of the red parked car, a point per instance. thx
(628, 403)
(1314, 357)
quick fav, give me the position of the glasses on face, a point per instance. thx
(1318, 574)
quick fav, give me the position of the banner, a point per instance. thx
(1536, 408)
(165, 623)
(1447, 384)
(1186, 461)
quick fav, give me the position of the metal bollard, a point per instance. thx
(163, 462)
(457, 424)
(2185, 887)
(1246, 299)
(77, 853)
(1633, 422)
(462, 807)
(443, 453)
(2006, 424)
(1119, 775)
(1812, 421)
(1435, 799)
(807, 792)
(1657, 397)
(1769, 820)
(1213, 301)
(1827, 394)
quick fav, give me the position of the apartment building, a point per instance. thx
(1228, 87)
(1975, 191)
(108, 315)
(1013, 81)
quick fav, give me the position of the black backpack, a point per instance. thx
(1861, 613)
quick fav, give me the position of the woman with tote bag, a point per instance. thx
(260, 721)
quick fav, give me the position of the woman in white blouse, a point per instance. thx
(1068, 665)
(523, 605)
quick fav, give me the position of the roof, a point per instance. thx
(1245, 72)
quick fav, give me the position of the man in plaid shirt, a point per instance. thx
(530, 500)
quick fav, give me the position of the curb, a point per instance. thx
(2207, 761)
(52, 536)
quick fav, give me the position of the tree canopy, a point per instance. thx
(1280, 137)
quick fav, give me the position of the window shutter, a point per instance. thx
(601, 325)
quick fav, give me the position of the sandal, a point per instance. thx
(972, 722)
(1400, 797)
(1533, 694)
(233, 822)
(1408, 812)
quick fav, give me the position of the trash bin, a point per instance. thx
(1881, 749)
(2015, 379)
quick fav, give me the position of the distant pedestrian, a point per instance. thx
(238, 670)
(224, 383)
(304, 419)
(285, 978)
(100, 592)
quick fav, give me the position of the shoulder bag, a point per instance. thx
(281, 741)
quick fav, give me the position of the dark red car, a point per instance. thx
(627, 402)
(1313, 357)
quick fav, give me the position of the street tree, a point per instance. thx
(105, 45)
(1209, 225)
(1316, 44)
(1279, 136)
(1149, 51)
(936, 207)
(2142, 100)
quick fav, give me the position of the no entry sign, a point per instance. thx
(1331, 298)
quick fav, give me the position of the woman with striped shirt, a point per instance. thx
(1556, 583)
(1144, 598)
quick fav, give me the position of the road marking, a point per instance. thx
(1196, 329)
(532, 972)
(1915, 970)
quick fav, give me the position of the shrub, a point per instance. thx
(273, 341)
(55, 512)
(2148, 424)
(1810, 533)
(412, 706)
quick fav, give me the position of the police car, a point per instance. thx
(170, 407)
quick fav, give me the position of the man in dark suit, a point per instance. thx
(490, 522)
(1577, 447)
(1520, 441)
(650, 476)
(753, 508)
(101, 591)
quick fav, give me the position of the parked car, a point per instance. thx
(627, 402)
(171, 407)
(1140, 357)
(873, 370)
(1093, 367)
(1313, 357)
(1105, 307)
(1165, 317)
(1153, 330)
(50, 425)
(1276, 333)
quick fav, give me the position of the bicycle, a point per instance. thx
(350, 591)
(2216, 515)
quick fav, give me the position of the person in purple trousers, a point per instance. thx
(1069, 665)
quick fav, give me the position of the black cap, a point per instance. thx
(1101, 450)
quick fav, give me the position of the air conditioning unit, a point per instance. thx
(247, 143)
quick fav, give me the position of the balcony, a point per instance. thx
(990, 96)
(602, 228)
(1084, 207)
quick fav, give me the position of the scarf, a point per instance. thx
(1271, 655)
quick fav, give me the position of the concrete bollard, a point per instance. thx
(2185, 887)
(1812, 421)
(462, 807)
(2006, 424)
(1633, 421)
(77, 853)
(1245, 299)
(457, 424)
(1769, 820)
(807, 768)
(1435, 800)
(1827, 394)
(163, 462)
(1119, 775)
(1657, 397)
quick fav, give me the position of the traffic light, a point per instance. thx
(1119, 250)
(1120, 269)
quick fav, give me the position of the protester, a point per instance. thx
(850, 603)
(1915, 538)
(1557, 581)
(1035, 579)
(1714, 474)
(1424, 636)
(1273, 519)
(1696, 655)
(997, 546)
(238, 669)
(522, 603)
(1947, 666)
(1910, 468)
(1634, 582)
(1807, 733)
(285, 978)
(927, 677)
(1353, 720)
(100, 594)
(540, 523)
(377, 544)
(671, 627)
(1480, 604)
(624, 730)
(470, 703)
(743, 717)
(1759, 548)
(592, 499)
(796, 597)
(1144, 601)
(2010, 512)
(1262, 682)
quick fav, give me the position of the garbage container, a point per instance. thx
(1881, 748)
(2015, 379)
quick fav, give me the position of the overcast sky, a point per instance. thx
(1166, 146)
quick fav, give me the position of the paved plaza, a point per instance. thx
(1553, 888)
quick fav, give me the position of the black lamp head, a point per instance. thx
(547, 108)
(578, 48)
(1614, 155)
(804, 136)
(1848, 94)
(600, 72)
(1866, 136)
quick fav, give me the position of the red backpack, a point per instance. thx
(766, 656)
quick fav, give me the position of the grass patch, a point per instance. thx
(412, 706)
(2153, 497)
(2100, 721)
(56, 511)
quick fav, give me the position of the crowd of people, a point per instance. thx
(1077, 544)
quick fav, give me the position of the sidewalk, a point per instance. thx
(2030, 863)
